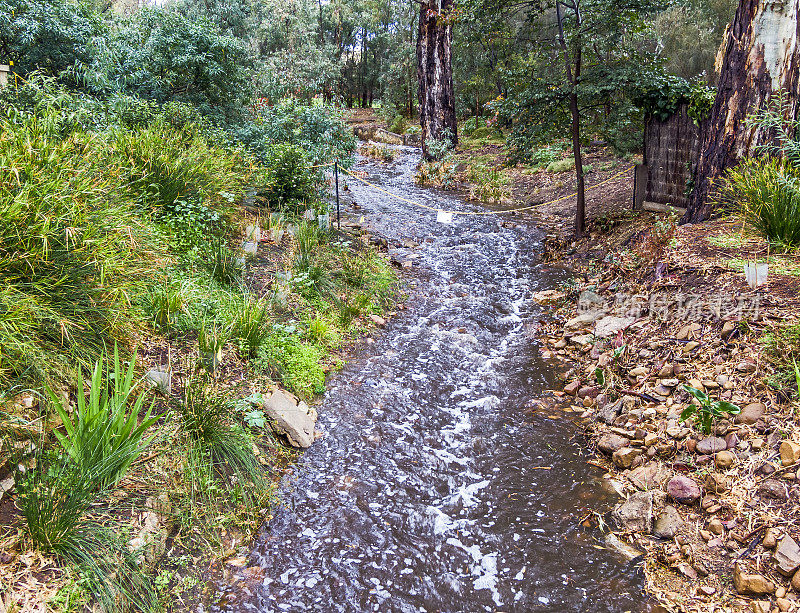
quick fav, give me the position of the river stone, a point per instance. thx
(751, 584)
(683, 489)
(621, 547)
(668, 524)
(623, 458)
(724, 459)
(787, 556)
(774, 489)
(750, 414)
(711, 444)
(790, 453)
(609, 413)
(635, 514)
(582, 340)
(293, 417)
(609, 443)
(548, 297)
(611, 325)
(649, 476)
(583, 320)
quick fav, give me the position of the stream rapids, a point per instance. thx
(434, 489)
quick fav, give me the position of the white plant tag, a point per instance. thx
(444, 217)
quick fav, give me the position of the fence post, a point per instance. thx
(338, 214)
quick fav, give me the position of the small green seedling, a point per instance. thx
(797, 376)
(707, 410)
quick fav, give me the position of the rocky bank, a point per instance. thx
(715, 514)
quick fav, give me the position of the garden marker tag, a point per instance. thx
(444, 217)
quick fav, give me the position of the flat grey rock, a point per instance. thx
(293, 417)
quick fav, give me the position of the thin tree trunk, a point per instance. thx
(573, 77)
(437, 109)
(761, 59)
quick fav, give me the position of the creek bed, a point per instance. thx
(434, 489)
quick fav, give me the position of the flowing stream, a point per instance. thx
(434, 489)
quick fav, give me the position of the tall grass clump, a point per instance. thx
(767, 192)
(250, 325)
(71, 249)
(56, 501)
(219, 452)
(105, 435)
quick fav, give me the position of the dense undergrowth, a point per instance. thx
(121, 226)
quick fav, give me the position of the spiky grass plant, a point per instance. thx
(219, 452)
(71, 250)
(767, 192)
(164, 302)
(55, 500)
(224, 267)
(105, 435)
(250, 324)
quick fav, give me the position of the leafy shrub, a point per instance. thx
(211, 72)
(469, 126)
(105, 436)
(292, 182)
(562, 165)
(49, 35)
(544, 156)
(767, 191)
(319, 130)
(482, 132)
(294, 362)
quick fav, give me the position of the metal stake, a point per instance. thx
(338, 214)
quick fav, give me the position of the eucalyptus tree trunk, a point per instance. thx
(573, 64)
(437, 108)
(761, 59)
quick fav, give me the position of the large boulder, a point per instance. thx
(292, 417)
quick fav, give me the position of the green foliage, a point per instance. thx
(164, 302)
(168, 168)
(72, 248)
(225, 268)
(211, 71)
(767, 192)
(292, 182)
(775, 117)
(55, 501)
(318, 130)
(399, 125)
(294, 362)
(50, 35)
(707, 410)
(105, 436)
(439, 148)
(562, 165)
(660, 95)
(688, 35)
